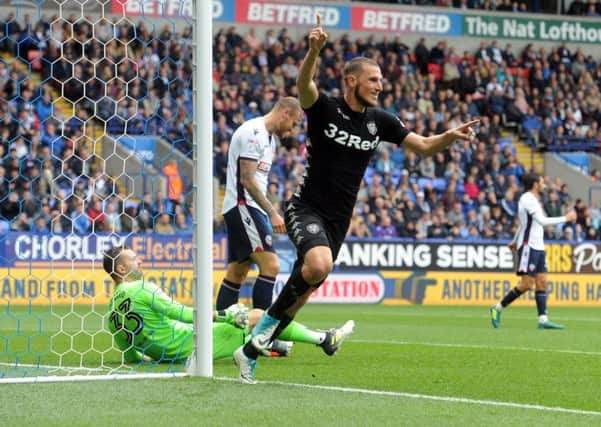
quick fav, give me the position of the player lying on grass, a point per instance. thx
(146, 323)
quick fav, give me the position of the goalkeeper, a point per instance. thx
(146, 323)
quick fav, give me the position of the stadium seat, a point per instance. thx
(439, 184)
(369, 175)
(503, 142)
(422, 182)
(396, 176)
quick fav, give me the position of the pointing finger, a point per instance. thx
(318, 20)
(471, 123)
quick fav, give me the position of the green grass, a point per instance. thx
(429, 351)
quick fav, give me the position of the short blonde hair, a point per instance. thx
(288, 102)
(355, 65)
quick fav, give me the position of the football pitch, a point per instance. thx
(404, 365)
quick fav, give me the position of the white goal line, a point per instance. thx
(355, 390)
(450, 399)
(479, 346)
(78, 378)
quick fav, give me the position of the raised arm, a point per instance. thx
(428, 146)
(307, 89)
(236, 314)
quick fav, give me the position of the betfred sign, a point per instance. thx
(297, 14)
(223, 10)
(401, 21)
(344, 289)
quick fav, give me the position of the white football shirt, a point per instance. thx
(532, 222)
(250, 141)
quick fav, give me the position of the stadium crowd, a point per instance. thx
(136, 81)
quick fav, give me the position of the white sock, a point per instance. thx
(321, 337)
(315, 337)
(499, 307)
(542, 318)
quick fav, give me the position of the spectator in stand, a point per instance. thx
(385, 230)
(81, 222)
(175, 185)
(531, 123)
(471, 187)
(164, 224)
(547, 135)
(553, 206)
(181, 225)
(95, 216)
(112, 222)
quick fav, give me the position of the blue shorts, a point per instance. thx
(248, 231)
(531, 262)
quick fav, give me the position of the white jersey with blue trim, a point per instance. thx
(532, 222)
(250, 141)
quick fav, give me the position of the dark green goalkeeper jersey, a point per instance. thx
(145, 321)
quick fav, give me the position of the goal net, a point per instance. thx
(96, 114)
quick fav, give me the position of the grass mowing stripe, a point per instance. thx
(428, 397)
(478, 346)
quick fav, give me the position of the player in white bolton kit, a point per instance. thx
(532, 266)
(249, 216)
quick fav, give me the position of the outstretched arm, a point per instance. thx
(307, 89)
(159, 301)
(428, 146)
(544, 220)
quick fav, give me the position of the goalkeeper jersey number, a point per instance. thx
(145, 321)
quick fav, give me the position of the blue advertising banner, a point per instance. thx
(144, 147)
(356, 255)
(44, 268)
(223, 10)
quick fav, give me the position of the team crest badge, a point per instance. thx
(372, 128)
(531, 267)
(268, 240)
(313, 228)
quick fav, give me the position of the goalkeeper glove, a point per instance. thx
(236, 315)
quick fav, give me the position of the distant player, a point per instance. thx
(528, 240)
(147, 324)
(343, 134)
(249, 216)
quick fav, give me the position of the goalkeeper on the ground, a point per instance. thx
(146, 323)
